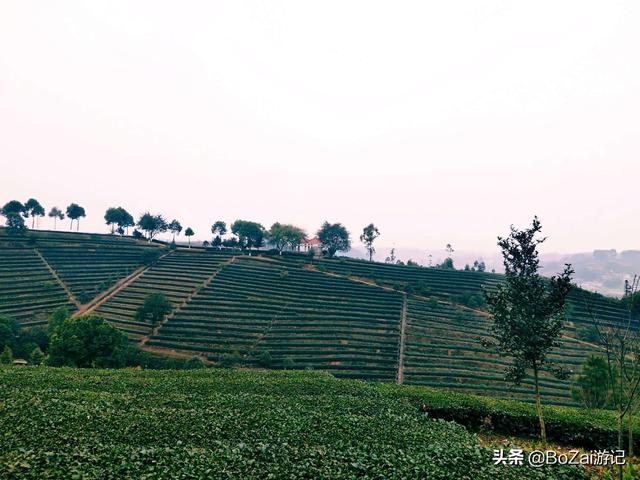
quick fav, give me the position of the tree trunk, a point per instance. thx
(55, 223)
(77, 225)
(630, 422)
(71, 227)
(620, 442)
(33, 221)
(543, 431)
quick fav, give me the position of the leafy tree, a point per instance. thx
(227, 360)
(250, 234)
(152, 224)
(56, 214)
(6, 357)
(13, 207)
(154, 309)
(8, 332)
(111, 217)
(15, 224)
(369, 234)
(175, 228)
(137, 234)
(447, 264)
(56, 318)
(264, 359)
(219, 228)
(87, 341)
(230, 243)
(34, 209)
(527, 311)
(592, 388)
(37, 356)
(189, 233)
(334, 238)
(282, 236)
(74, 212)
(120, 217)
(205, 244)
(12, 211)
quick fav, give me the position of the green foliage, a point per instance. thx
(219, 228)
(527, 314)
(264, 359)
(56, 318)
(6, 357)
(120, 217)
(154, 309)
(175, 228)
(194, 363)
(152, 224)
(74, 212)
(249, 234)
(593, 388)
(34, 209)
(232, 424)
(87, 341)
(15, 224)
(447, 264)
(470, 299)
(37, 356)
(227, 360)
(588, 334)
(150, 256)
(571, 426)
(8, 332)
(369, 235)
(282, 236)
(334, 238)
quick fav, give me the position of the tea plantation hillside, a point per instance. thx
(353, 318)
(235, 424)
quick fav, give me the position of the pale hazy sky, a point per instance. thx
(439, 121)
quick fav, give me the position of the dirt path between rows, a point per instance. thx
(114, 289)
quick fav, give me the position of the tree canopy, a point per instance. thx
(34, 209)
(175, 228)
(87, 341)
(527, 310)
(250, 234)
(74, 212)
(152, 224)
(189, 233)
(369, 234)
(282, 236)
(56, 214)
(334, 238)
(154, 309)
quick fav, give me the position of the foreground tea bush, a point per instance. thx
(69, 423)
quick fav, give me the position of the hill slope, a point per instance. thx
(353, 318)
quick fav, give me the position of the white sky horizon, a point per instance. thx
(439, 122)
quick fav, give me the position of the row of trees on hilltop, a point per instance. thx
(16, 212)
(247, 235)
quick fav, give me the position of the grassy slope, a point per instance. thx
(65, 423)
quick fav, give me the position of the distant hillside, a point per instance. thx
(350, 317)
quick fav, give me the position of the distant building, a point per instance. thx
(309, 243)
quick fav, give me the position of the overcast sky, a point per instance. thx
(438, 121)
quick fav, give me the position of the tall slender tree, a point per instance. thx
(175, 228)
(527, 310)
(56, 214)
(369, 234)
(189, 233)
(34, 209)
(74, 212)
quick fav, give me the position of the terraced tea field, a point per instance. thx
(344, 316)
